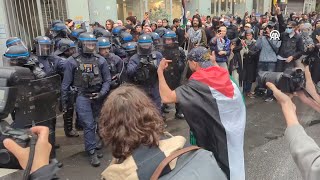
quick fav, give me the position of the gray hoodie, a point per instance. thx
(267, 54)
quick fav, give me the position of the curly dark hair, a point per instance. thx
(129, 119)
(199, 20)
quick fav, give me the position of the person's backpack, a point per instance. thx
(193, 163)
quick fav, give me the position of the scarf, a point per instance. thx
(195, 36)
(221, 43)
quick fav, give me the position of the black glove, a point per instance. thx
(96, 96)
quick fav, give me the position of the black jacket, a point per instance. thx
(232, 32)
(181, 39)
(291, 46)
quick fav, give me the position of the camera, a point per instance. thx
(289, 81)
(9, 76)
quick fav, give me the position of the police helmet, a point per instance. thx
(130, 48)
(155, 38)
(59, 28)
(126, 37)
(161, 31)
(169, 38)
(104, 42)
(76, 32)
(64, 45)
(14, 41)
(16, 56)
(144, 44)
(43, 46)
(117, 30)
(54, 22)
(100, 32)
(88, 43)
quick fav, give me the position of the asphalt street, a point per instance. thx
(266, 151)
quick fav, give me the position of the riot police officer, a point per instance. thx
(142, 68)
(100, 32)
(50, 65)
(75, 34)
(59, 31)
(65, 49)
(19, 56)
(15, 41)
(89, 74)
(115, 63)
(116, 42)
(131, 49)
(156, 40)
(172, 51)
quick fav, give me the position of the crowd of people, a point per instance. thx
(223, 59)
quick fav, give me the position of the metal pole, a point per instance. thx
(54, 10)
(28, 29)
(35, 20)
(45, 11)
(49, 12)
(9, 17)
(17, 18)
(40, 17)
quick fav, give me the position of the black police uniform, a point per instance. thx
(90, 75)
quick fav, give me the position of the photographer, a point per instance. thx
(268, 52)
(41, 169)
(303, 148)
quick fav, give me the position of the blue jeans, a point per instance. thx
(88, 112)
(266, 66)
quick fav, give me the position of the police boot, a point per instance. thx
(69, 132)
(93, 157)
(164, 108)
(99, 144)
(179, 114)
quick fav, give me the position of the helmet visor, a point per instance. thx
(14, 61)
(144, 48)
(89, 47)
(44, 49)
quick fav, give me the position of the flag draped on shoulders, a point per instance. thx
(215, 111)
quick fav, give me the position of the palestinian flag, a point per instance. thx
(215, 111)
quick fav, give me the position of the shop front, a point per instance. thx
(169, 9)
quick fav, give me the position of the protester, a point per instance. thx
(159, 23)
(250, 62)
(109, 25)
(220, 45)
(180, 32)
(153, 26)
(211, 102)
(131, 20)
(196, 35)
(120, 23)
(165, 23)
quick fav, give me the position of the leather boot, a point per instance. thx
(93, 157)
